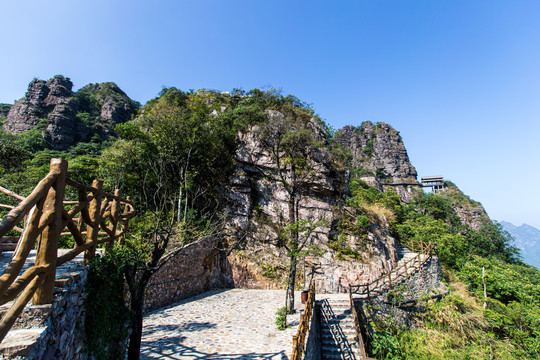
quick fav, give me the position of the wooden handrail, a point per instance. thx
(45, 216)
(305, 319)
(18, 212)
(429, 249)
(92, 189)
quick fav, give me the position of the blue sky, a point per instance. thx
(459, 79)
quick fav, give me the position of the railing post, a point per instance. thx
(48, 246)
(115, 211)
(295, 349)
(94, 210)
(122, 239)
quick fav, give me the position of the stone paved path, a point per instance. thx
(220, 324)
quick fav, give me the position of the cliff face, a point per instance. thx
(378, 148)
(257, 207)
(70, 117)
(377, 152)
(470, 212)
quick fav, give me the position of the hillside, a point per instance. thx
(265, 175)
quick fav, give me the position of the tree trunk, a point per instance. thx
(137, 306)
(293, 252)
(179, 218)
(290, 284)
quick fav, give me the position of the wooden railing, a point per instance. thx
(384, 282)
(45, 214)
(300, 337)
(425, 250)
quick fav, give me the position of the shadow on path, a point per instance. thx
(172, 348)
(190, 299)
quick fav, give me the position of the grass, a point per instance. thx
(454, 328)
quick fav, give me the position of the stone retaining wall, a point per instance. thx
(313, 346)
(196, 269)
(54, 331)
(65, 336)
(405, 300)
(425, 281)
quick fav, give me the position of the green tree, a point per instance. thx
(290, 141)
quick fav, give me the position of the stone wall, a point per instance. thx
(65, 336)
(196, 269)
(425, 281)
(313, 345)
(400, 305)
(54, 331)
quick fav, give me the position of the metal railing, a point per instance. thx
(356, 319)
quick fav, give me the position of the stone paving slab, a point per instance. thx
(221, 324)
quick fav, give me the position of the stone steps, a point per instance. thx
(21, 342)
(394, 277)
(338, 334)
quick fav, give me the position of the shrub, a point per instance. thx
(281, 318)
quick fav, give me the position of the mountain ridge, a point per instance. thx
(527, 239)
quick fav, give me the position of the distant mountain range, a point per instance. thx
(527, 239)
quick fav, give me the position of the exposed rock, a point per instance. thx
(471, 212)
(107, 102)
(378, 151)
(64, 129)
(115, 111)
(103, 106)
(25, 113)
(257, 210)
(377, 148)
(59, 89)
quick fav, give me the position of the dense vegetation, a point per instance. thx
(176, 154)
(457, 327)
(173, 159)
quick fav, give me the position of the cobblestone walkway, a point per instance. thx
(220, 324)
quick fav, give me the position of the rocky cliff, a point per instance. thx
(66, 117)
(470, 212)
(377, 153)
(257, 208)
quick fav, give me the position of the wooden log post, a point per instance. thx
(295, 346)
(48, 247)
(92, 229)
(122, 238)
(115, 212)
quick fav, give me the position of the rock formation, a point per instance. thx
(26, 113)
(470, 212)
(257, 207)
(378, 148)
(53, 104)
